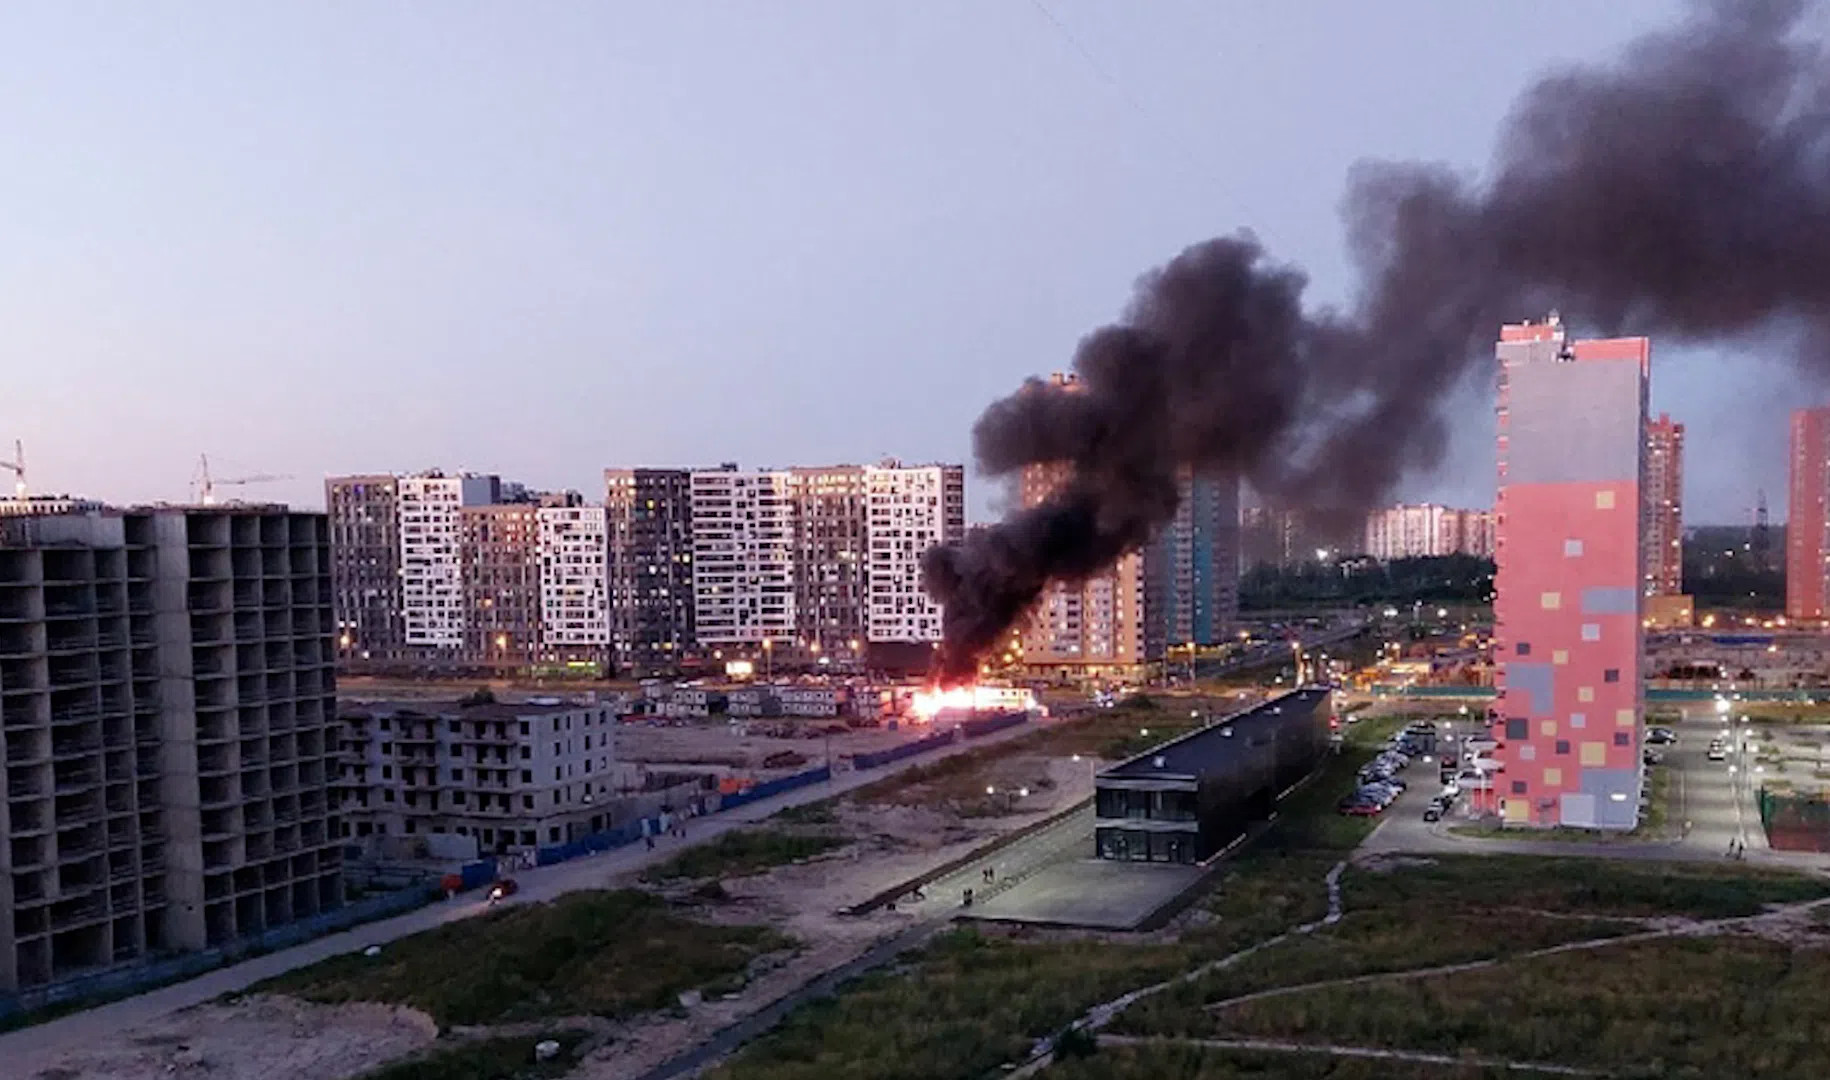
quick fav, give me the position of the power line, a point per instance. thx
(1106, 76)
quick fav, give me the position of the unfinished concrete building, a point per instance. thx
(166, 707)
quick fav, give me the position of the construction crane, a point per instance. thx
(205, 485)
(17, 468)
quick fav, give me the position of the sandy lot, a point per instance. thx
(261, 1037)
(744, 746)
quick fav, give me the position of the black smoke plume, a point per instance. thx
(1682, 191)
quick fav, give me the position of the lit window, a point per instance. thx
(1551, 601)
(1572, 548)
(1585, 693)
(1591, 631)
(1604, 499)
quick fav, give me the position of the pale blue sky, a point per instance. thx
(541, 238)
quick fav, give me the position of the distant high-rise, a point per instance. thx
(1664, 532)
(1425, 529)
(1088, 625)
(911, 508)
(499, 545)
(365, 565)
(431, 566)
(1567, 619)
(574, 582)
(831, 555)
(743, 558)
(1191, 571)
(649, 514)
(166, 681)
(1807, 513)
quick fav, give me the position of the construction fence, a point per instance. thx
(1796, 821)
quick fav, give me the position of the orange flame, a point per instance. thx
(930, 702)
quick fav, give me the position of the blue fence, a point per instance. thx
(112, 984)
(878, 758)
(775, 787)
(477, 874)
(981, 726)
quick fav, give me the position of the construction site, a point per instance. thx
(798, 892)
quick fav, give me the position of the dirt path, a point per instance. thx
(1337, 1050)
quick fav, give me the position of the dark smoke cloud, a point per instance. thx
(1683, 191)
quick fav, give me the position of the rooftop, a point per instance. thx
(1186, 754)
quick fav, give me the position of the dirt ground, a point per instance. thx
(893, 844)
(259, 1037)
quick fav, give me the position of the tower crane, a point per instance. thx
(17, 468)
(205, 485)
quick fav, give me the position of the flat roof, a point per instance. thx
(1185, 754)
(458, 710)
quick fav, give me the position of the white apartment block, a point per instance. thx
(574, 576)
(743, 556)
(1426, 529)
(910, 509)
(431, 566)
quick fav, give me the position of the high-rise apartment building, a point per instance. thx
(743, 558)
(499, 548)
(1808, 517)
(831, 560)
(365, 565)
(1085, 626)
(1567, 627)
(574, 581)
(167, 708)
(649, 515)
(431, 562)
(1664, 509)
(1192, 570)
(911, 509)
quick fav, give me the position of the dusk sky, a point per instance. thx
(542, 238)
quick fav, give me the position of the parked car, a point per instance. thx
(1660, 736)
(1718, 751)
(1652, 755)
(1433, 812)
(1360, 808)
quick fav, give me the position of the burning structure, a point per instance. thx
(1683, 190)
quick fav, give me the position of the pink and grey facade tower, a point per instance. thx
(1567, 621)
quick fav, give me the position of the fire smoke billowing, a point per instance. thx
(1683, 191)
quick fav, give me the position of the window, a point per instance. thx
(457, 774)
(527, 802)
(1550, 601)
(527, 837)
(453, 725)
(388, 795)
(558, 774)
(1578, 720)
(1518, 727)
(524, 731)
(526, 752)
(1523, 648)
(387, 772)
(1585, 694)
(1604, 500)
(552, 835)
(1591, 631)
(1611, 675)
(1621, 738)
(527, 776)
(1572, 548)
(1518, 787)
(457, 797)
(1563, 746)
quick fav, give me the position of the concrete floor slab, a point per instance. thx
(1101, 894)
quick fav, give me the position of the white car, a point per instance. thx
(1717, 751)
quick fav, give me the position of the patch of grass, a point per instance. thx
(740, 852)
(819, 812)
(1592, 887)
(960, 1007)
(487, 1059)
(596, 953)
(1709, 1007)
(1198, 1063)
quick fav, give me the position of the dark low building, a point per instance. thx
(1187, 799)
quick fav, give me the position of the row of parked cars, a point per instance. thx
(1379, 782)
